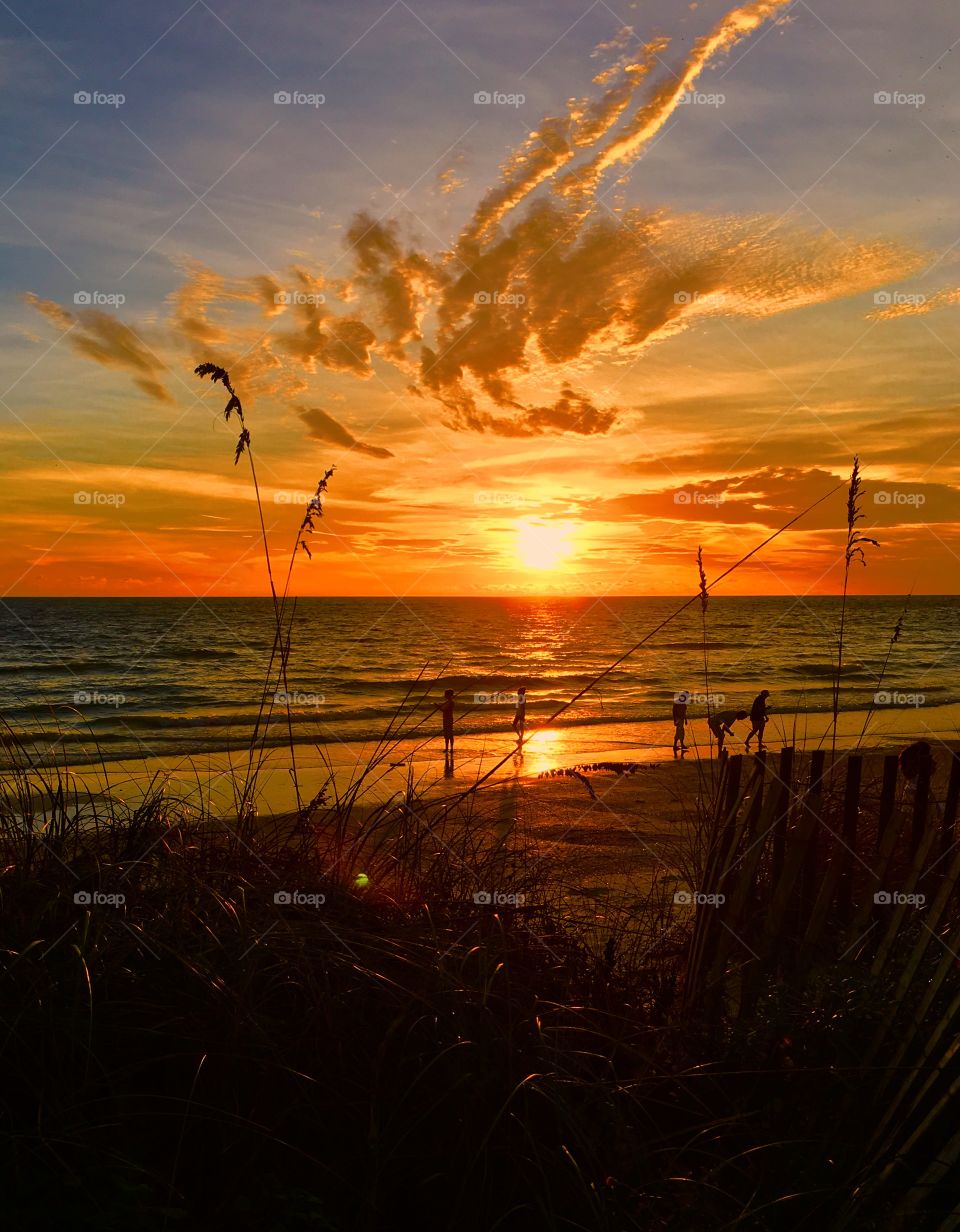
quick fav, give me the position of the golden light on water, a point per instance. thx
(540, 750)
(544, 545)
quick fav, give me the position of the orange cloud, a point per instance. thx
(556, 142)
(653, 115)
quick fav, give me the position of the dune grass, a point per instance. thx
(219, 1048)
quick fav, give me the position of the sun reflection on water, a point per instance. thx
(541, 750)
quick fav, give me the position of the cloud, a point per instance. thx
(339, 344)
(323, 427)
(650, 118)
(101, 337)
(557, 140)
(105, 477)
(543, 279)
(203, 289)
(397, 278)
(553, 289)
(769, 497)
(572, 412)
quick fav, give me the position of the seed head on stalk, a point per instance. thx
(704, 593)
(314, 509)
(216, 373)
(856, 541)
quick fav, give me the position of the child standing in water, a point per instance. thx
(520, 715)
(446, 711)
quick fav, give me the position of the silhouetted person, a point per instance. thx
(758, 718)
(520, 715)
(722, 725)
(680, 702)
(915, 758)
(446, 710)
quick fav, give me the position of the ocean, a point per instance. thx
(88, 679)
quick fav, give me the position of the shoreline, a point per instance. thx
(418, 764)
(88, 745)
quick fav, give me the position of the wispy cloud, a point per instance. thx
(323, 427)
(100, 336)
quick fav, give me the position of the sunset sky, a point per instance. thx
(688, 261)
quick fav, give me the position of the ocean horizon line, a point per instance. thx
(553, 596)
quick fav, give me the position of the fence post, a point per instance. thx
(851, 810)
(888, 795)
(812, 805)
(783, 789)
(950, 804)
(704, 941)
(921, 800)
(756, 784)
(734, 770)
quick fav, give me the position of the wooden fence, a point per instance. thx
(810, 865)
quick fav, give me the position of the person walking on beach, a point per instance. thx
(680, 702)
(722, 725)
(520, 715)
(758, 718)
(446, 711)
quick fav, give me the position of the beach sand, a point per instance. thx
(621, 822)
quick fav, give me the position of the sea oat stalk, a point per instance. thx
(856, 542)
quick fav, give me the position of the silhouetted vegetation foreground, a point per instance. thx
(191, 1038)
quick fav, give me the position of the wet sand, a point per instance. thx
(409, 765)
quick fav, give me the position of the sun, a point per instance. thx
(543, 545)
